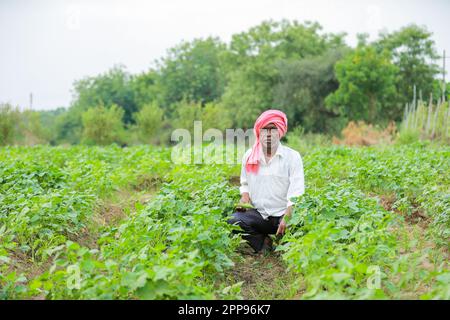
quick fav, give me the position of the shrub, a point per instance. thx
(407, 137)
(149, 122)
(9, 117)
(362, 134)
(103, 125)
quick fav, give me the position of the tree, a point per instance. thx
(112, 87)
(185, 114)
(253, 58)
(437, 90)
(413, 52)
(103, 125)
(149, 122)
(272, 40)
(9, 118)
(366, 85)
(192, 71)
(147, 89)
(302, 88)
(216, 116)
(31, 129)
(68, 126)
(212, 116)
(49, 122)
(245, 99)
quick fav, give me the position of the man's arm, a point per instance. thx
(244, 189)
(296, 188)
(296, 179)
(282, 226)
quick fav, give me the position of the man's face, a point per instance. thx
(269, 137)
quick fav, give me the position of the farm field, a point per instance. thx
(127, 223)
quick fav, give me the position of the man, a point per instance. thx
(271, 175)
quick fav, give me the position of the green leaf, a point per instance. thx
(154, 290)
(339, 277)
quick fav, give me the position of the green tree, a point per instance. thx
(216, 116)
(366, 85)
(245, 98)
(147, 89)
(31, 129)
(437, 90)
(115, 87)
(414, 53)
(302, 88)
(185, 114)
(112, 87)
(103, 125)
(49, 120)
(68, 126)
(149, 121)
(9, 117)
(252, 63)
(273, 40)
(212, 116)
(192, 71)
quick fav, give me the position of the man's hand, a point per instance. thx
(245, 198)
(281, 227)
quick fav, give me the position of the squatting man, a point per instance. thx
(271, 175)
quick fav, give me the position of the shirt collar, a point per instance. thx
(279, 152)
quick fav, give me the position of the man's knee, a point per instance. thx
(232, 220)
(237, 219)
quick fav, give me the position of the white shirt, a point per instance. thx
(275, 183)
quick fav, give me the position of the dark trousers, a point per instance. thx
(255, 227)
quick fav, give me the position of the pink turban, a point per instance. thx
(276, 117)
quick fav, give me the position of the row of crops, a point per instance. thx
(170, 248)
(343, 236)
(342, 242)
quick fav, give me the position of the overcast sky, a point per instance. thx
(46, 45)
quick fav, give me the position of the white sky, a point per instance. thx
(46, 45)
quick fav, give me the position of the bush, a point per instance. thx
(32, 131)
(103, 125)
(149, 123)
(185, 115)
(9, 117)
(362, 134)
(304, 142)
(407, 137)
(216, 116)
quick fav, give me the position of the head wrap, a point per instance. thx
(279, 119)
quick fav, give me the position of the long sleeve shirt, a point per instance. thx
(276, 182)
